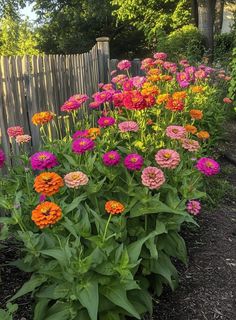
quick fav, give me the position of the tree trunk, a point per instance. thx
(194, 12)
(206, 14)
(219, 15)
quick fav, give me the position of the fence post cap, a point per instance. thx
(103, 39)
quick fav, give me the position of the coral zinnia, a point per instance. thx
(43, 160)
(2, 158)
(133, 161)
(152, 177)
(23, 138)
(48, 183)
(167, 158)
(15, 131)
(41, 118)
(190, 145)
(196, 114)
(76, 179)
(208, 166)
(111, 158)
(46, 214)
(82, 145)
(114, 207)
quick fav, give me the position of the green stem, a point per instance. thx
(105, 232)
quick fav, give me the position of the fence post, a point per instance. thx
(103, 59)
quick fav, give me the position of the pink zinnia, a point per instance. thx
(147, 63)
(190, 145)
(175, 132)
(80, 98)
(43, 160)
(133, 161)
(138, 81)
(94, 105)
(193, 207)
(23, 138)
(80, 134)
(117, 99)
(82, 145)
(227, 100)
(127, 126)
(128, 85)
(167, 158)
(152, 177)
(119, 79)
(15, 131)
(76, 179)
(208, 166)
(2, 158)
(102, 97)
(111, 158)
(106, 122)
(124, 65)
(160, 55)
(69, 106)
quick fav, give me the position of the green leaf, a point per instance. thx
(88, 297)
(54, 292)
(110, 316)
(116, 294)
(71, 160)
(40, 309)
(74, 204)
(29, 286)
(57, 254)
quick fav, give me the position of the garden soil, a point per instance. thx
(207, 289)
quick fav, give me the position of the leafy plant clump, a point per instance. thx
(98, 209)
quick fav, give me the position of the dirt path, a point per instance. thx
(207, 288)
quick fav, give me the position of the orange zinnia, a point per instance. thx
(197, 89)
(163, 98)
(114, 207)
(203, 135)
(48, 183)
(42, 117)
(179, 95)
(191, 129)
(196, 114)
(46, 214)
(93, 133)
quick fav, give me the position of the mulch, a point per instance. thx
(207, 287)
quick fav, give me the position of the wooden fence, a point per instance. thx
(32, 84)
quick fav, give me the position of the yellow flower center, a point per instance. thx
(42, 157)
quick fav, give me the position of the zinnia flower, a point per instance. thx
(2, 158)
(190, 145)
(127, 126)
(15, 131)
(80, 134)
(80, 98)
(93, 133)
(174, 105)
(124, 65)
(133, 161)
(167, 158)
(196, 114)
(203, 135)
(94, 105)
(227, 100)
(119, 79)
(46, 214)
(82, 145)
(48, 183)
(208, 166)
(152, 177)
(70, 105)
(191, 129)
(111, 158)
(43, 160)
(160, 55)
(193, 207)
(102, 97)
(175, 132)
(23, 138)
(76, 179)
(106, 121)
(114, 207)
(41, 118)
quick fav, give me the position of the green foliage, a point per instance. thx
(9, 312)
(185, 42)
(17, 37)
(223, 46)
(232, 88)
(152, 16)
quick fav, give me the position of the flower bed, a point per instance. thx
(99, 208)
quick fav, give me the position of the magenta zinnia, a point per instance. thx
(167, 158)
(106, 122)
(111, 158)
(152, 177)
(193, 207)
(71, 105)
(43, 160)
(82, 145)
(133, 161)
(80, 134)
(2, 158)
(208, 166)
